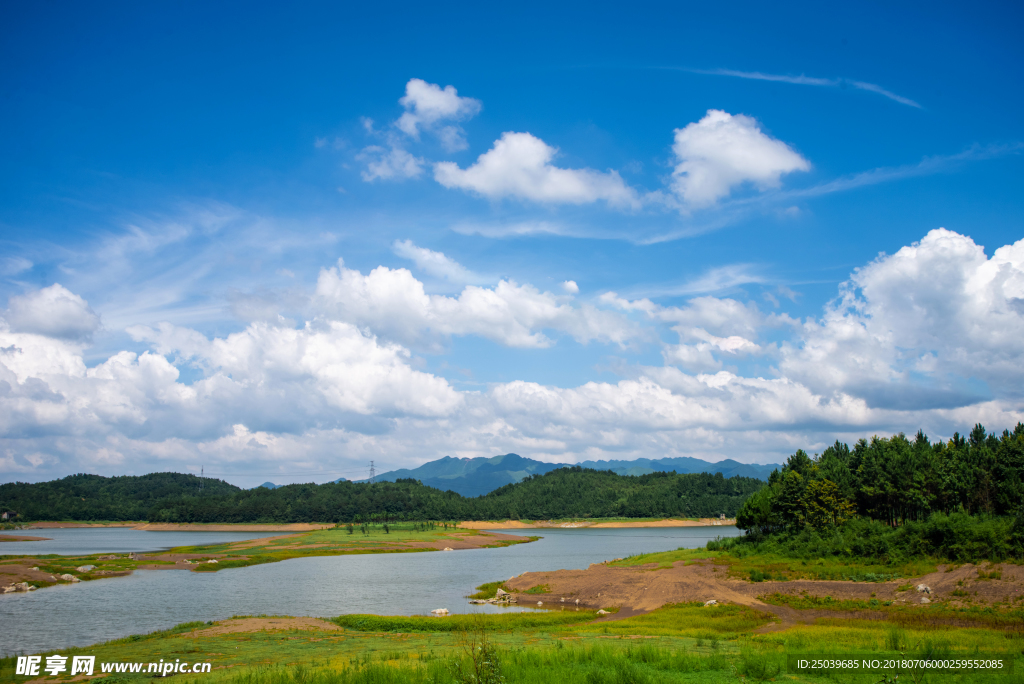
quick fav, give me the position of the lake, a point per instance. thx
(383, 584)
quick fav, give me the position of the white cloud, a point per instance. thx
(329, 361)
(389, 163)
(570, 287)
(893, 352)
(722, 151)
(53, 311)
(395, 304)
(427, 104)
(519, 165)
(434, 263)
(938, 308)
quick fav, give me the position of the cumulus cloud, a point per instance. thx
(427, 105)
(394, 303)
(722, 151)
(342, 387)
(519, 165)
(938, 309)
(53, 311)
(434, 263)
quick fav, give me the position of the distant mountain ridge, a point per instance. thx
(478, 476)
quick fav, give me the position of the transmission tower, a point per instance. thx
(373, 473)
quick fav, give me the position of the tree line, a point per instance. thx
(572, 492)
(895, 497)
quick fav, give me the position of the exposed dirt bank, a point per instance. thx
(20, 537)
(61, 524)
(548, 524)
(190, 527)
(273, 624)
(644, 588)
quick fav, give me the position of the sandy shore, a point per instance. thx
(540, 525)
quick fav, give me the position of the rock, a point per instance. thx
(22, 586)
(502, 595)
(925, 599)
(477, 601)
(212, 560)
(85, 568)
(69, 578)
(447, 548)
(603, 612)
(577, 602)
(107, 558)
(924, 588)
(440, 611)
(540, 603)
(8, 589)
(712, 602)
(35, 569)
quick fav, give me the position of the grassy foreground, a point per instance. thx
(677, 643)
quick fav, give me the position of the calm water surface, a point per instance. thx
(82, 541)
(385, 584)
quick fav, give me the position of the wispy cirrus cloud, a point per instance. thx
(808, 80)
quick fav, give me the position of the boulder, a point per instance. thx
(603, 612)
(447, 548)
(477, 601)
(8, 589)
(925, 599)
(440, 611)
(502, 595)
(69, 578)
(85, 568)
(21, 586)
(924, 588)
(107, 558)
(540, 603)
(712, 602)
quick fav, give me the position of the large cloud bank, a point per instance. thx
(931, 336)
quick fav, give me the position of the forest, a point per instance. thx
(895, 498)
(572, 492)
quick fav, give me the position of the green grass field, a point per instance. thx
(679, 643)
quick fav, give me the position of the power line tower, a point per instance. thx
(373, 473)
(202, 469)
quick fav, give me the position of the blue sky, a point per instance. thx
(278, 242)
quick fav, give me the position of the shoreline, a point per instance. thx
(26, 572)
(310, 527)
(185, 527)
(577, 524)
(20, 538)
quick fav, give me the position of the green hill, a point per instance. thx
(564, 493)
